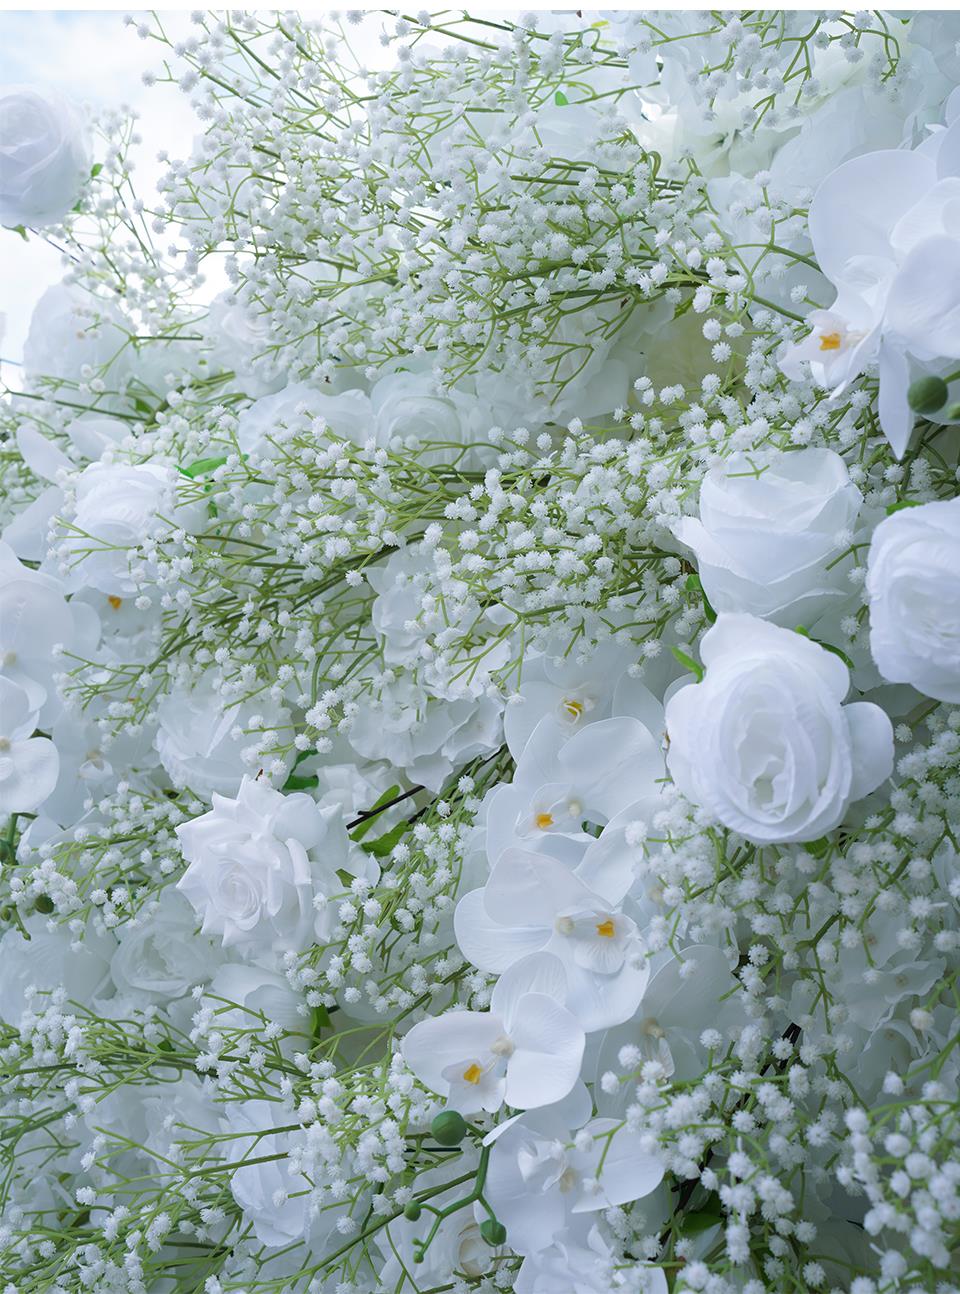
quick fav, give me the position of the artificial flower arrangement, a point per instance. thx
(480, 693)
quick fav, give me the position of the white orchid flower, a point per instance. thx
(526, 1050)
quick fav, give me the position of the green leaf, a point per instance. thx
(359, 832)
(804, 632)
(21, 230)
(560, 99)
(904, 503)
(383, 845)
(202, 465)
(695, 1223)
(689, 663)
(818, 848)
(294, 783)
(95, 170)
(693, 585)
(321, 1020)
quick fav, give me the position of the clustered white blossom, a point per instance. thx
(480, 665)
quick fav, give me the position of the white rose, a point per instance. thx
(117, 507)
(262, 866)
(50, 959)
(399, 585)
(70, 328)
(913, 582)
(196, 741)
(764, 742)
(426, 741)
(296, 407)
(239, 343)
(44, 158)
(765, 541)
(247, 997)
(160, 956)
(410, 405)
(274, 1200)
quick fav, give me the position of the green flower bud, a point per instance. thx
(952, 411)
(494, 1232)
(43, 903)
(412, 1211)
(449, 1128)
(927, 394)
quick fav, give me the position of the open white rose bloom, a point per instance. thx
(480, 664)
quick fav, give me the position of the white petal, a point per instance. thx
(856, 207)
(923, 307)
(871, 739)
(530, 889)
(488, 944)
(448, 1039)
(35, 768)
(896, 416)
(41, 455)
(539, 973)
(549, 1046)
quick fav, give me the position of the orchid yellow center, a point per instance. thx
(830, 341)
(573, 708)
(606, 928)
(115, 602)
(473, 1074)
(543, 821)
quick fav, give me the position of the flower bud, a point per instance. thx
(449, 1128)
(494, 1232)
(412, 1211)
(927, 394)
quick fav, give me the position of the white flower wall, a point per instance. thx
(480, 694)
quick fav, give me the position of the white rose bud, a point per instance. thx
(44, 157)
(913, 582)
(765, 744)
(765, 541)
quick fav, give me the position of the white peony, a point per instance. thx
(44, 156)
(765, 744)
(249, 997)
(913, 581)
(766, 540)
(426, 739)
(262, 866)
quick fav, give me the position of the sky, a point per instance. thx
(93, 58)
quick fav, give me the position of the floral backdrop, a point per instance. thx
(480, 663)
